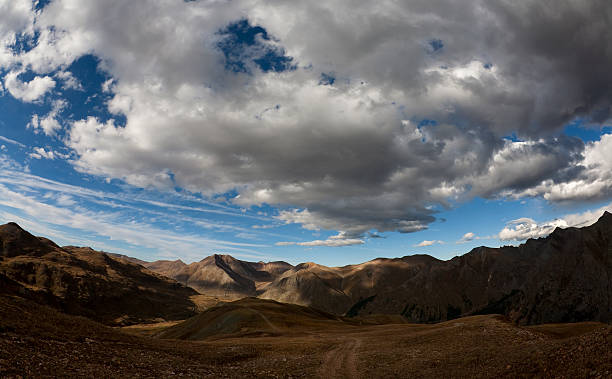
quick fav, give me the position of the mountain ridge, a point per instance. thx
(566, 276)
(82, 281)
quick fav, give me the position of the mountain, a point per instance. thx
(565, 277)
(312, 285)
(221, 275)
(82, 281)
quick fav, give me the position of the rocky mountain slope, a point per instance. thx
(565, 277)
(86, 282)
(221, 275)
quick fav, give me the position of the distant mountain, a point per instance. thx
(564, 277)
(221, 275)
(86, 282)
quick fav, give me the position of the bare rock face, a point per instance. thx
(565, 277)
(86, 282)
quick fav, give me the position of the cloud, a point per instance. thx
(16, 18)
(40, 152)
(354, 155)
(338, 240)
(591, 179)
(525, 228)
(467, 237)
(11, 141)
(69, 81)
(107, 220)
(326, 243)
(28, 91)
(428, 243)
(268, 226)
(111, 225)
(49, 124)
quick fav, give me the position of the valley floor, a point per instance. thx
(36, 341)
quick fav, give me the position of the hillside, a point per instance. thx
(252, 317)
(86, 282)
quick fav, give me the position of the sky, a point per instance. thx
(334, 132)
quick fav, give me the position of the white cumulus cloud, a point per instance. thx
(28, 91)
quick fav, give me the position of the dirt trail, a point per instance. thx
(267, 320)
(341, 361)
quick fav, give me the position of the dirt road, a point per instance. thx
(341, 361)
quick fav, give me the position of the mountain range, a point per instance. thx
(221, 275)
(565, 277)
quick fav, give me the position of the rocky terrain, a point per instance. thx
(86, 282)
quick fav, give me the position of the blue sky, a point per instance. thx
(332, 134)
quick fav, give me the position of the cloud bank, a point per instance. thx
(348, 116)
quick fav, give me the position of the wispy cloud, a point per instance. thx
(470, 236)
(428, 243)
(338, 240)
(11, 141)
(106, 219)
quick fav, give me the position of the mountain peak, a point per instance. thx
(16, 241)
(606, 217)
(10, 228)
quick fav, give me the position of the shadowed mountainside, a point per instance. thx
(86, 282)
(565, 277)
